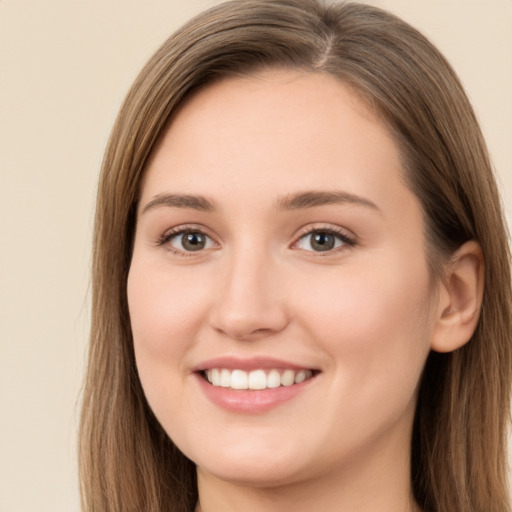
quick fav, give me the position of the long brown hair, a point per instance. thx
(127, 462)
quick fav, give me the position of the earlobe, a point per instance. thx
(460, 299)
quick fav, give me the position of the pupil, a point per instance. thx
(322, 242)
(193, 241)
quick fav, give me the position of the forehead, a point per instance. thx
(275, 132)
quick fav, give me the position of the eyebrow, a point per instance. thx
(310, 199)
(180, 201)
(297, 201)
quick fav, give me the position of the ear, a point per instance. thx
(460, 299)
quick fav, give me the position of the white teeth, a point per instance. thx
(256, 379)
(225, 378)
(214, 377)
(288, 378)
(273, 379)
(239, 379)
(300, 377)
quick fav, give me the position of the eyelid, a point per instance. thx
(348, 238)
(165, 238)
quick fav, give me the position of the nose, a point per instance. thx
(251, 302)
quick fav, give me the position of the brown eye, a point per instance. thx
(193, 241)
(190, 241)
(323, 241)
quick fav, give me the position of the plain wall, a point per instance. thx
(64, 69)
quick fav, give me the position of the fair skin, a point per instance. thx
(245, 261)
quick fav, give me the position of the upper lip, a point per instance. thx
(248, 364)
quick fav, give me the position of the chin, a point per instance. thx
(251, 474)
(254, 466)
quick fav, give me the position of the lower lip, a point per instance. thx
(251, 401)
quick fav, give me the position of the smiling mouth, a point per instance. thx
(256, 379)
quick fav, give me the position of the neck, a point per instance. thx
(366, 484)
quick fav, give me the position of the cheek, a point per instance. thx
(164, 306)
(166, 312)
(375, 324)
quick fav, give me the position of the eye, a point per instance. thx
(323, 240)
(187, 241)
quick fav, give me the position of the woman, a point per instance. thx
(301, 284)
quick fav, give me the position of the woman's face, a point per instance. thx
(277, 248)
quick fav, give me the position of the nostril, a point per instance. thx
(249, 321)
(246, 335)
(248, 305)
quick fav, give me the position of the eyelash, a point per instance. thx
(168, 236)
(341, 235)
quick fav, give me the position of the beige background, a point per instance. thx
(64, 68)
